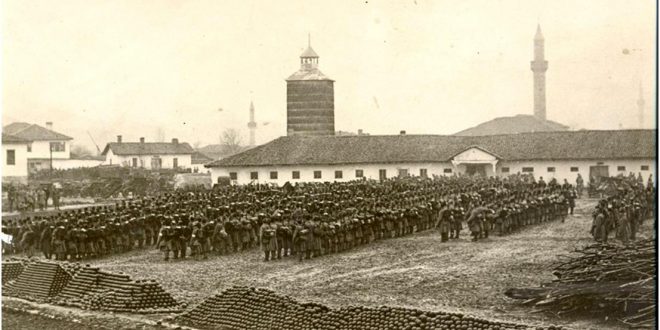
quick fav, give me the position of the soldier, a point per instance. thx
(579, 184)
(59, 242)
(221, 240)
(165, 241)
(301, 236)
(29, 240)
(457, 223)
(198, 241)
(268, 237)
(46, 238)
(475, 221)
(444, 224)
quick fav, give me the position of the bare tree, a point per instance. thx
(231, 138)
(80, 150)
(160, 134)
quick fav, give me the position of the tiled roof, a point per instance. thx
(370, 149)
(200, 158)
(513, 125)
(308, 74)
(8, 138)
(148, 148)
(34, 132)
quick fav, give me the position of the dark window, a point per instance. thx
(57, 146)
(551, 169)
(382, 174)
(403, 172)
(339, 174)
(645, 167)
(359, 173)
(273, 175)
(317, 174)
(30, 147)
(505, 170)
(620, 168)
(11, 157)
(447, 170)
(575, 169)
(295, 175)
(175, 162)
(134, 162)
(527, 169)
(233, 176)
(254, 175)
(422, 172)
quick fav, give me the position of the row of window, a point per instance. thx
(551, 169)
(382, 174)
(156, 162)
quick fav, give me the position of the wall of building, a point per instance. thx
(65, 164)
(370, 171)
(562, 170)
(41, 150)
(144, 161)
(19, 171)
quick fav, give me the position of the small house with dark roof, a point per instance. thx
(149, 155)
(14, 158)
(559, 155)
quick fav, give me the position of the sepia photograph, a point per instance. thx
(329, 165)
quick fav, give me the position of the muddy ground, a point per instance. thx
(416, 271)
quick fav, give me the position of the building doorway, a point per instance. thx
(476, 169)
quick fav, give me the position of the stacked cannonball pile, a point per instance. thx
(11, 271)
(250, 308)
(39, 280)
(92, 288)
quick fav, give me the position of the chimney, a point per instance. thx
(118, 138)
(141, 140)
(402, 132)
(175, 141)
(49, 125)
(360, 131)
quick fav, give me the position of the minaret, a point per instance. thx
(252, 125)
(539, 67)
(310, 98)
(640, 106)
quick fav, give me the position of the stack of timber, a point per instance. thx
(605, 279)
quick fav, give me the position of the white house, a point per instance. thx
(150, 155)
(45, 144)
(14, 159)
(559, 155)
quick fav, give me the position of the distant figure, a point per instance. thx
(541, 183)
(11, 196)
(56, 198)
(579, 183)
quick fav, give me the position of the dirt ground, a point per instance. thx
(416, 271)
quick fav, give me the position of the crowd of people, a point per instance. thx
(31, 197)
(305, 220)
(623, 213)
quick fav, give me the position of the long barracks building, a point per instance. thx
(560, 155)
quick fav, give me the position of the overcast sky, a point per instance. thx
(427, 67)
